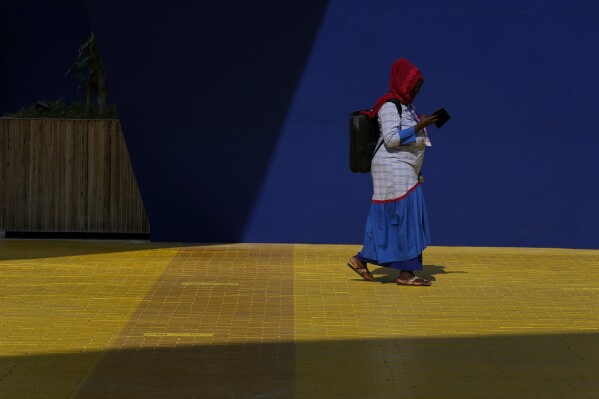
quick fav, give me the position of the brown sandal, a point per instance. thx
(361, 268)
(415, 281)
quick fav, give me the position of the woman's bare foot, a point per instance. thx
(361, 268)
(409, 278)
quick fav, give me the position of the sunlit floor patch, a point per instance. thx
(178, 334)
(67, 297)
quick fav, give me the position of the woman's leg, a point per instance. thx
(407, 268)
(409, 265)
(360, 266)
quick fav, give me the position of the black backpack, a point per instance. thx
(363, 135)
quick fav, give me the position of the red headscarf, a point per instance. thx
(404, 78)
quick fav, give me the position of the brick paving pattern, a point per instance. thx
(105, 319)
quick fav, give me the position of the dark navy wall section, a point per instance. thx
(236, 115)
(202, 90)
(39, 41)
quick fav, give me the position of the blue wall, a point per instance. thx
(516, 165)
(236, 117)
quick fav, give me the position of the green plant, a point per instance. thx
(89, 70)
(61, 110)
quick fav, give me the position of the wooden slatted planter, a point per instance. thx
(74, 176)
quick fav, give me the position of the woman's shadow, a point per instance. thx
(388, 275)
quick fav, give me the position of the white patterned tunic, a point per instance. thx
(396, 165)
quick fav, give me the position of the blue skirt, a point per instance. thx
(396, 232)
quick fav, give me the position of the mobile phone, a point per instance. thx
(443, 117)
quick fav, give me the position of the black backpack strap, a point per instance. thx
(398, 106)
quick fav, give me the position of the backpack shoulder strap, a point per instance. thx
(398, 106)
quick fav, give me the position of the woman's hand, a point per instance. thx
(425, 121)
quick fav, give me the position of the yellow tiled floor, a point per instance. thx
(101, 319)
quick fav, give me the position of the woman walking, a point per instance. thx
(397, 227)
